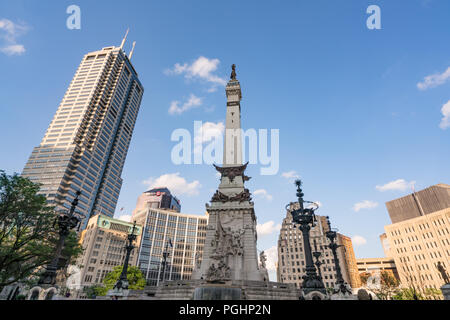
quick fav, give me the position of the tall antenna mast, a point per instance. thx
(124, 39)
(132, 50)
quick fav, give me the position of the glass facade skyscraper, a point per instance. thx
(87, 141)
(182, 234)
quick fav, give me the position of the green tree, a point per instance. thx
(94, 291)
(432, 294)
(388, 284)
(406, 294)
(136, 280)
(28, 235)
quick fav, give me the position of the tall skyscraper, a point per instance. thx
(291, 253)
(158, 198)
(87, 141)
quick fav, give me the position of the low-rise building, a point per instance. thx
(419, 237)
(104, 241)
(377, 265)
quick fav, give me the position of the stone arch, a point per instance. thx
(34, 294)
(316, 295)
(49, 294)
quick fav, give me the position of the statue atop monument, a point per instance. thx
(233, 72)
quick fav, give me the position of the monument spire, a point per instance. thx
(231, 251)
(229, 268)
(232, 152)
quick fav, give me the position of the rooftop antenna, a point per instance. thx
(124, 39)
(132, 50)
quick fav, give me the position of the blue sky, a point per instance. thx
(352, 104)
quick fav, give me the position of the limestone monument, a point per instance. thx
(229, 268)
(230, 248)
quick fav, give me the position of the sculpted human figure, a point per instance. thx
(263, 259)
(443, 272)
(233, 72)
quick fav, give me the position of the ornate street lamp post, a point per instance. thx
(164, 262)
(66, 222)
(305, 218)
(332, 235)
(122, 283)
(317, 255)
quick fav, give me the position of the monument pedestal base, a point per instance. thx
(226, 290)
(446, 291)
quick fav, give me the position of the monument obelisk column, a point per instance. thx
(230, 248)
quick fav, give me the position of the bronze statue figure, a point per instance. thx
(443, 272)
(233, 72)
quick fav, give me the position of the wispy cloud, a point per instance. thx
(263, 193)
(125, 217)
(366, 204)
(445, 122)
(191, 103)
(290, 175)
(202, 68)
(175, 183)
(396, 185)
(267, 228)
(272, 258)
(434, 80)
(9, 32)
(358, 240)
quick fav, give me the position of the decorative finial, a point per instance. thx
(233, 72)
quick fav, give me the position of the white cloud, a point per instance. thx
(311, 205)
(397, 185)
(176, 184)
(267, 228)
(202, 68)
(13, 49)
(358, 241)
(208, 131)
(9, 32)
(366, 204)
(272, 258)
(445, 122)
(263, 193)
(192, 102)
(290, 175)
(125, 217)
(434, 80)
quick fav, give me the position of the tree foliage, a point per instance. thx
(94, 291)
(407, 294)
(28, 236)
(136, 280)
(387, 285)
